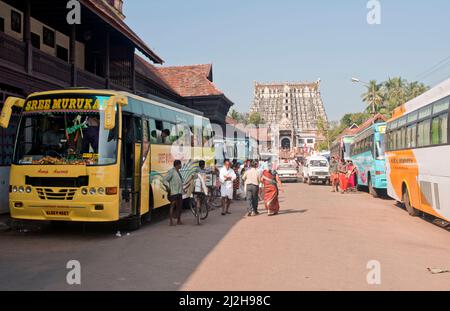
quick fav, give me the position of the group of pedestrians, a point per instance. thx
(343, 175)
(261, 177)
(256, 177)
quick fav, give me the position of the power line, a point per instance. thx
(433, 69)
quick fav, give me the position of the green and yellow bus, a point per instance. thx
(99, 155)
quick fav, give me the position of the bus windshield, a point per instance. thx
(380, 147)
(65, 131)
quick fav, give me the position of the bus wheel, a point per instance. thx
(372, 190)
(407, 203)
(134, 223)
(146, 218)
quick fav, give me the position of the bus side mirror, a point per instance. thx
(110, 110)
(5, 116)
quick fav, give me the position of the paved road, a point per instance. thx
(321, 241)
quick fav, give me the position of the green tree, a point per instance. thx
(415, 89)
(354, 118)
(255, 119)
(394, 91)
(235, 115)
(373, 96)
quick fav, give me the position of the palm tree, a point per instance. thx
(374, 96)
(236, 116)
(394, 90)
(415, 89)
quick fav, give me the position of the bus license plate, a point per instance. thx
(57, 213)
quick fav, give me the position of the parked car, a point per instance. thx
(288, 172)
(316, 169)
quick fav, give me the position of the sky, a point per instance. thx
(299, 40)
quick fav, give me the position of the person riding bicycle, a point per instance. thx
(200, 188)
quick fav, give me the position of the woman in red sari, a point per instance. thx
(271, 183)
(351, 176)
(343, 180)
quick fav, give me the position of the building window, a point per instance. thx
(286, 108)
(49, 37)
(310, 141)
(16, 21)
(62, 53)
(35, 40)
(2, 24)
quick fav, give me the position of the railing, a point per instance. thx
(12, 50)
(87, 79)
(51, 66)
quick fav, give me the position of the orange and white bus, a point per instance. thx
(418, 152)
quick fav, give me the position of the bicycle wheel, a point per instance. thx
(204, 209)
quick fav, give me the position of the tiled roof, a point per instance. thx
(190, 81)
(106, 13)
(370, 121)
(151, 72)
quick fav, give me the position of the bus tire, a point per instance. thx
(407, 204)
(372, 190)
(134, 223)
(146, 218)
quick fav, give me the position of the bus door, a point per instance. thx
(130, 172)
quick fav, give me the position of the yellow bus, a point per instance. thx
(99, 155)
(418, 152)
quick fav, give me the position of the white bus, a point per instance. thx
(418, 154)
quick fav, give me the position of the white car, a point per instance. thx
(288, 172)
(316, 170)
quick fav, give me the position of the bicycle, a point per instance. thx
(200, 212)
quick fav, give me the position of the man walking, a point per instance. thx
(227, 176)
(252, 178)
(174, 183)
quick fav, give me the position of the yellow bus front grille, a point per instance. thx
(49, 194)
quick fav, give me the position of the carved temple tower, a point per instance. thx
(292, 111)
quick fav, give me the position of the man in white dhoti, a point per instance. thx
(227, 176)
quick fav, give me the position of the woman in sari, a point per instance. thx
(343, 180)
(351, 176)
(271, 183)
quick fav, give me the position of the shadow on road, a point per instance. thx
(156, 257)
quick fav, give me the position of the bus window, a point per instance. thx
(441, 106)
(198, 137)
(380, 148)
(167, 133)
(403, 138)
(423, 133)
(155, 133)
(411, 136)
(439, 130)
(138, 129)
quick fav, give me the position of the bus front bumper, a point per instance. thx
(64, 211)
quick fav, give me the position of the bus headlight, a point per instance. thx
(84, 191)
(21, 189)
(101, 191)
(28, 189)
(14, 189)
(92, 191)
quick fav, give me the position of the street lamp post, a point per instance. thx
(372, 88)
